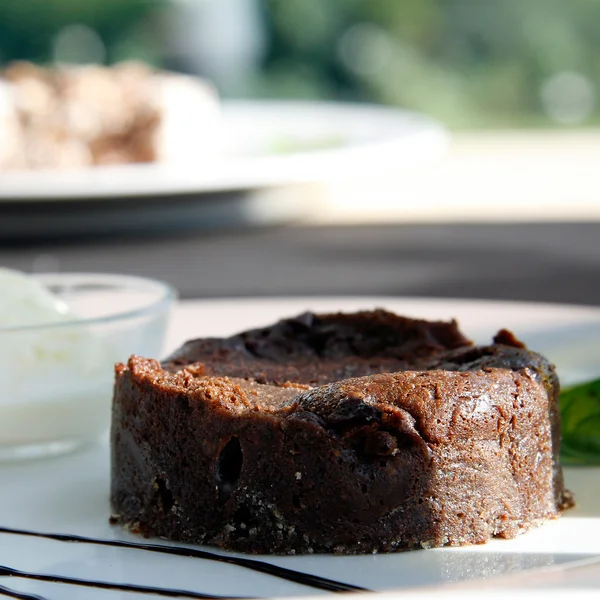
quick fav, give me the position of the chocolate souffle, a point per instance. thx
(345, 433)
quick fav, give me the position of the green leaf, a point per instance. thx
(580, 413)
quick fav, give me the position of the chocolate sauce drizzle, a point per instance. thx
(313, 581)
(4, 591)
(104, 585)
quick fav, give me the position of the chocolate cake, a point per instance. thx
(75, 116)
(345, 433)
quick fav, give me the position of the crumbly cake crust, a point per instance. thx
(338, 433)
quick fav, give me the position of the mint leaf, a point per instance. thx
(580, 413)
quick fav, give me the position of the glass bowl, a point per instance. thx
(57, 379)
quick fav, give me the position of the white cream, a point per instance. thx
(24, 302)
(55, 377)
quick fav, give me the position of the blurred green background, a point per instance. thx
(470, 63)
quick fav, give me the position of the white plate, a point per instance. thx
(249, 184)
(70, 495)
(322, 140)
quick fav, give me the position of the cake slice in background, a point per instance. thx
(79, 116)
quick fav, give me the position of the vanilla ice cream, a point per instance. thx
(56, 376)
(25, 301)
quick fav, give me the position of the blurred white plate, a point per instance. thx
(70, 495)
(263, 144)
(271, 155)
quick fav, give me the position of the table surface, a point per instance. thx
(544, 262)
